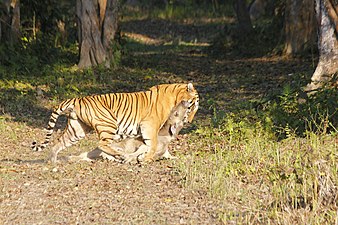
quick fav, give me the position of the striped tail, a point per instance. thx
(65, 107)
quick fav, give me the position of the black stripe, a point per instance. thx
(136, 110)
(74, 131)
(104, 100)
(124, 103)
(127, 117)
(119, 99)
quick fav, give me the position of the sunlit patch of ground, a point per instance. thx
(142, 38)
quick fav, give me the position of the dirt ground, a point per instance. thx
(101, 192)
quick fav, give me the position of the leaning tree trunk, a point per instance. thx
(327, 17)
(10, 21)
(299, 26)
(97, 24)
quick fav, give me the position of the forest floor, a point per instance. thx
(33, 191)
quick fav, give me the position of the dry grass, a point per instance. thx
(260, 180)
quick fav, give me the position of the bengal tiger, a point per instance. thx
(116, 116)
(134, 148)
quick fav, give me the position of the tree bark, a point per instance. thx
(97, 24)
(110, 25)
(10, 21)
(243, 17)
(257, 8)
(327, 44)
(300, 29)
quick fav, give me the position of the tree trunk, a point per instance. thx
(243, 17)
(257, 8)
(327, 17)
(299, 26)
(10, 21)
(110, 26)
(97, 24)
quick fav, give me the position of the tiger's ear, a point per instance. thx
(190, 87)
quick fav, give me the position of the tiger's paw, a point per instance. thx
(130, 160)
(148, 159)
(116, 158)
(52, 158)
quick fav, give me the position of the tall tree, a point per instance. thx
(299, 26)
(243, 16)
(327, 17)
(97, 25)
(10, 21)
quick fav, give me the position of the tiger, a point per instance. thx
(134, 148)
(115, 116)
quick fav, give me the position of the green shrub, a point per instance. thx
(259, 179)
(317, 113)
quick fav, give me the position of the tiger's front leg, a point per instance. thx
(150, 156)
(150, 137)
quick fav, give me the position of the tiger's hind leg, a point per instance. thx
(75, 131)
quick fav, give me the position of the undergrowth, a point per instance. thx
(292, 112)
(259, 179)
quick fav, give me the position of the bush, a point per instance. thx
(290, 113)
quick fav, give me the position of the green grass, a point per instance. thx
(260, 180)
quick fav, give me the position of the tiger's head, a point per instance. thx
(193, 99)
